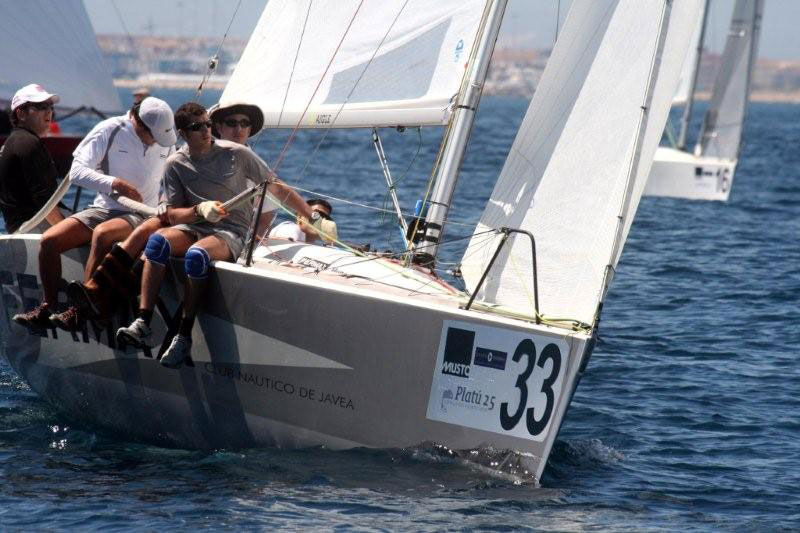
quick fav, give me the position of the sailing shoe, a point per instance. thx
(72, 319)
(138, 335)
(178, 351)
(38, 317)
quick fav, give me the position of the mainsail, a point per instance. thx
(582, 155)
(724, 120)
(53, 44)
(395, 62)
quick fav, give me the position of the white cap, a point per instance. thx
(157, 116)
(32, 93)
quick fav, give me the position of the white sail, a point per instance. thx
(682, 95)
(399, 63)
(582, 155)
(724, 120)
(53, 44)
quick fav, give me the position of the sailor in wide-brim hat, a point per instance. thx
(236, 121)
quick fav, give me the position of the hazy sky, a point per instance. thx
(528, 23)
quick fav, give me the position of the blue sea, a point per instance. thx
(687, 418)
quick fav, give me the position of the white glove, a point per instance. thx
(211, 210)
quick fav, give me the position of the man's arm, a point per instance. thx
(288, 196)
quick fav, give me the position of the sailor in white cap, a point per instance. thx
(122, 155)
(27, 171)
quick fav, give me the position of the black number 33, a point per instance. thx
(527, 348)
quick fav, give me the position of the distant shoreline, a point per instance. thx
(189, 81)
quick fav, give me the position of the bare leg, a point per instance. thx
(137, 240)
(153, 274)
(103, 238)
(66, 235)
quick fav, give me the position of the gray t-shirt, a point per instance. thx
(222, 173)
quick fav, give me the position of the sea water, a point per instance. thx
(687, 418)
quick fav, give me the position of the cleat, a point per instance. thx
(138, 335)
(72, 319)
(39, 317)
(178, 351)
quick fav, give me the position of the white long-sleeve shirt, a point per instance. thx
(127, 158)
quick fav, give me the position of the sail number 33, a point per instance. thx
(496, 380)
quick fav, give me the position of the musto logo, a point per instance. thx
(458, 352)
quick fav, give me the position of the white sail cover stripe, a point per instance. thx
(411, 80)
(724, 120)
(565, 177)
(53, 44)
(685, 84)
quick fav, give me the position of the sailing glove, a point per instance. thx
(211, 211)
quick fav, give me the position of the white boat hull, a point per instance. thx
(679, 174)
(287, 357)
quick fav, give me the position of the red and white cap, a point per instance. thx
(157, 115)
(32, 93)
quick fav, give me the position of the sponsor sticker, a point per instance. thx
(497, 380)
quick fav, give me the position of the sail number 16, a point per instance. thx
(535, 422)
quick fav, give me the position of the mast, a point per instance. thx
(456, 143)
(755, 33)
(687, 110)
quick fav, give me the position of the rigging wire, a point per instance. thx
(214, 60)
(370, 207)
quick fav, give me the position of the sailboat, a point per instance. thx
(707, 172)
(311, 345)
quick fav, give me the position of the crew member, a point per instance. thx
(299, 231)
(201, 175)
(27, 172)
(122, 155)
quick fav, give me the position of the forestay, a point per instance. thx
(724, 120)
(400, 63)
(582, 155)
(53, 44)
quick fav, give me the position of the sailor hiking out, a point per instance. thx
(114, 282)
(122, 155)
(201, 230)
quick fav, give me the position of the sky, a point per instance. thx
(527, 24)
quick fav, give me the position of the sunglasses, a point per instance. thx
(41, 106)
(324, 215)
(197, 126)
(232, 123)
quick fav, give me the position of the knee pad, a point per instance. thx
(196, 262)
(157, 249)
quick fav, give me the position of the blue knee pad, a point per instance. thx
(196, 262)
(157, 250)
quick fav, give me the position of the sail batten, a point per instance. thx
(399, 63)
(583, 152)
(53, 44)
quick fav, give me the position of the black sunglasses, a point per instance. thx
(232, 123)
(197, 126)
(326, 216)
(41, 106)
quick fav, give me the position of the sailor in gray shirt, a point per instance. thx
(197, 180)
